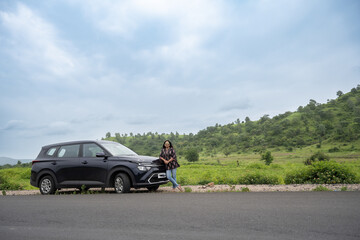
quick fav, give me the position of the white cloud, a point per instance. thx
(187, 24)
(38, 49)
(13, 125)
(36, 43)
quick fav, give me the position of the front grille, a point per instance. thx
(157, 178)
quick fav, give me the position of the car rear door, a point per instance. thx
(68, 165)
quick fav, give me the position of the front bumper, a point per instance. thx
(152, 179)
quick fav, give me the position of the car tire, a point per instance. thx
(121, 183)
(153, 188)
(47, 185)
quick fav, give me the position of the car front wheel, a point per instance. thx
(122, 183)
(47, 185)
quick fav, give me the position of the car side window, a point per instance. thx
(51, 152)
(69, 151)
(91, 149)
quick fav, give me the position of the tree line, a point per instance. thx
(338, 120)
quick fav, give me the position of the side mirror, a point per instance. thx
(102, 155)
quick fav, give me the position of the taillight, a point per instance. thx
(33, 162)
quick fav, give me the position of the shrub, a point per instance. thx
(255, 166)
(334, 149)
(188, 189)
(258, 178)
(267, 157)
(6, 185)
(15, 178)
(317, 157)
(192, 155)
(26, 174)
(298, 176)
(245, 189)
(330, 173)
(321, 173)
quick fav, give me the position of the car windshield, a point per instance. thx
(116, 149)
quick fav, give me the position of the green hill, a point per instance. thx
(336, 122)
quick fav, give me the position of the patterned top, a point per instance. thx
(167, 155)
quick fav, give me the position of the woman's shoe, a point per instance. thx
(179, 187)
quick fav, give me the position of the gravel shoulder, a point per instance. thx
(219, 188)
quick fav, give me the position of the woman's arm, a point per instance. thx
(172, 156)
(161, 157)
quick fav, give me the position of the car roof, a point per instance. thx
(77, 142)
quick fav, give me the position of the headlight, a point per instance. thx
(144, 168)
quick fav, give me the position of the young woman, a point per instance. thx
(168, 156)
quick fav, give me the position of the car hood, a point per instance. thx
(146, 160)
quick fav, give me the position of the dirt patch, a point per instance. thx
(218, 188)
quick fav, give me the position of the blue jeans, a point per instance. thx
(171, 175)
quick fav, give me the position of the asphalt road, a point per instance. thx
(269, 215)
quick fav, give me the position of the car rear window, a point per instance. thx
(69, 151)
(51, 152)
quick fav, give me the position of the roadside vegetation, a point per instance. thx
(246, 168)
(318, 143)
(15, 179)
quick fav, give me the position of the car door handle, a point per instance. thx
(53, 163)
(84, 162)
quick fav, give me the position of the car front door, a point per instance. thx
(94, 169)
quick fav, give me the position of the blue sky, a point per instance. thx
(72, 69)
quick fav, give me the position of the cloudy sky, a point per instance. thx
(72, 69)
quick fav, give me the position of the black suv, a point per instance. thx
(95, 164)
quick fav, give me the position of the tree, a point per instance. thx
(118, 138)
(321, 131)
(267, 157)
(227, 151)
(192, 155)
(108, 135)
(339, 93)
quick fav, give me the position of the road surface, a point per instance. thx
(237, 215)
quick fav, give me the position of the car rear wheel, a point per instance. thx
(47, 185)
(122, 183)
(153, 188)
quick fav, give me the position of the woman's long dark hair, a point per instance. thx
(169, 142)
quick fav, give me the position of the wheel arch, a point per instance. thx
(117, 170)
(44, 173)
